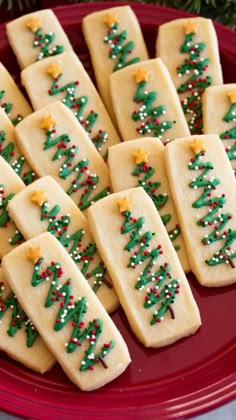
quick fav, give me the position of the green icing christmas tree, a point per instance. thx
(230, 134)
(146, 113)
(119, 50)
(83, 180)
(18, 318)
(214, 205)
(82, 255)
(5, 218)
(194, 68)
(77, 105)
(43, 41)
(139, 244)
(72, 312)
(145, 171)
(7, 106)
(8, 154)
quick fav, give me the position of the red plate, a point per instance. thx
(187, 378)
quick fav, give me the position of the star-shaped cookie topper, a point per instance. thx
(54, 70)
(34, 254)
(124, 204)
(111, 19)
(197, 145)
(47, 123)
(39, 197)
(141, 155)
(33, 24)
(190, 27)
(140, 75)
(232, 96)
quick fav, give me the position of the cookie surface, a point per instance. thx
(35, 36)
(65, 311)
(118, 43)
(18, 336)
(44, 206)
(64, 78)
(62, 149)
(141, 163)
(204, 190)
(145, 102)
(144, 267)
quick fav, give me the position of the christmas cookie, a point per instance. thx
(65, 79)
(10, 152)
(141, 163)
(222, 122)
(145, 102)
(204, 190)
(66, 312)
(51, 209)
(10, 184)
(18, 335)
(118, 43)
(144, 267)
(12, 101)
(192, 58)
(35, 36)
(54, 143)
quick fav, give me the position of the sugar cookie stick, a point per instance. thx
(10, 151)
(55, 144)
(118, 43)
(12, 99)
(223, 121)
(18, 336)
(141, 163)
(144, 267)
(10, 184)
(204, 190)
(189, 49)
(44, 206)
(64, 79)
(35, 36)
(67, 314)
(145, 102)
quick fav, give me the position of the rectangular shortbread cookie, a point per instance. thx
(118, 43)
(69, 317)
(141, 163)
(44, 206)
(219, 116)
(54, 143)
(144, 267)
(204, 190)
(64, 78)
(35, 36)
(189, 49)
(10, 151)
(18, 336)
(12, 99)
(10, 184)
(146, 103)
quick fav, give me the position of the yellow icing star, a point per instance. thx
(232, 96)
(124, 204)
(34, 253)
(111, 19)
(54, 70)
(39, 197)
(141, 155)
(47, 123)
(197, 146)
(34, 24)
(190, 27)
(141, 75)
